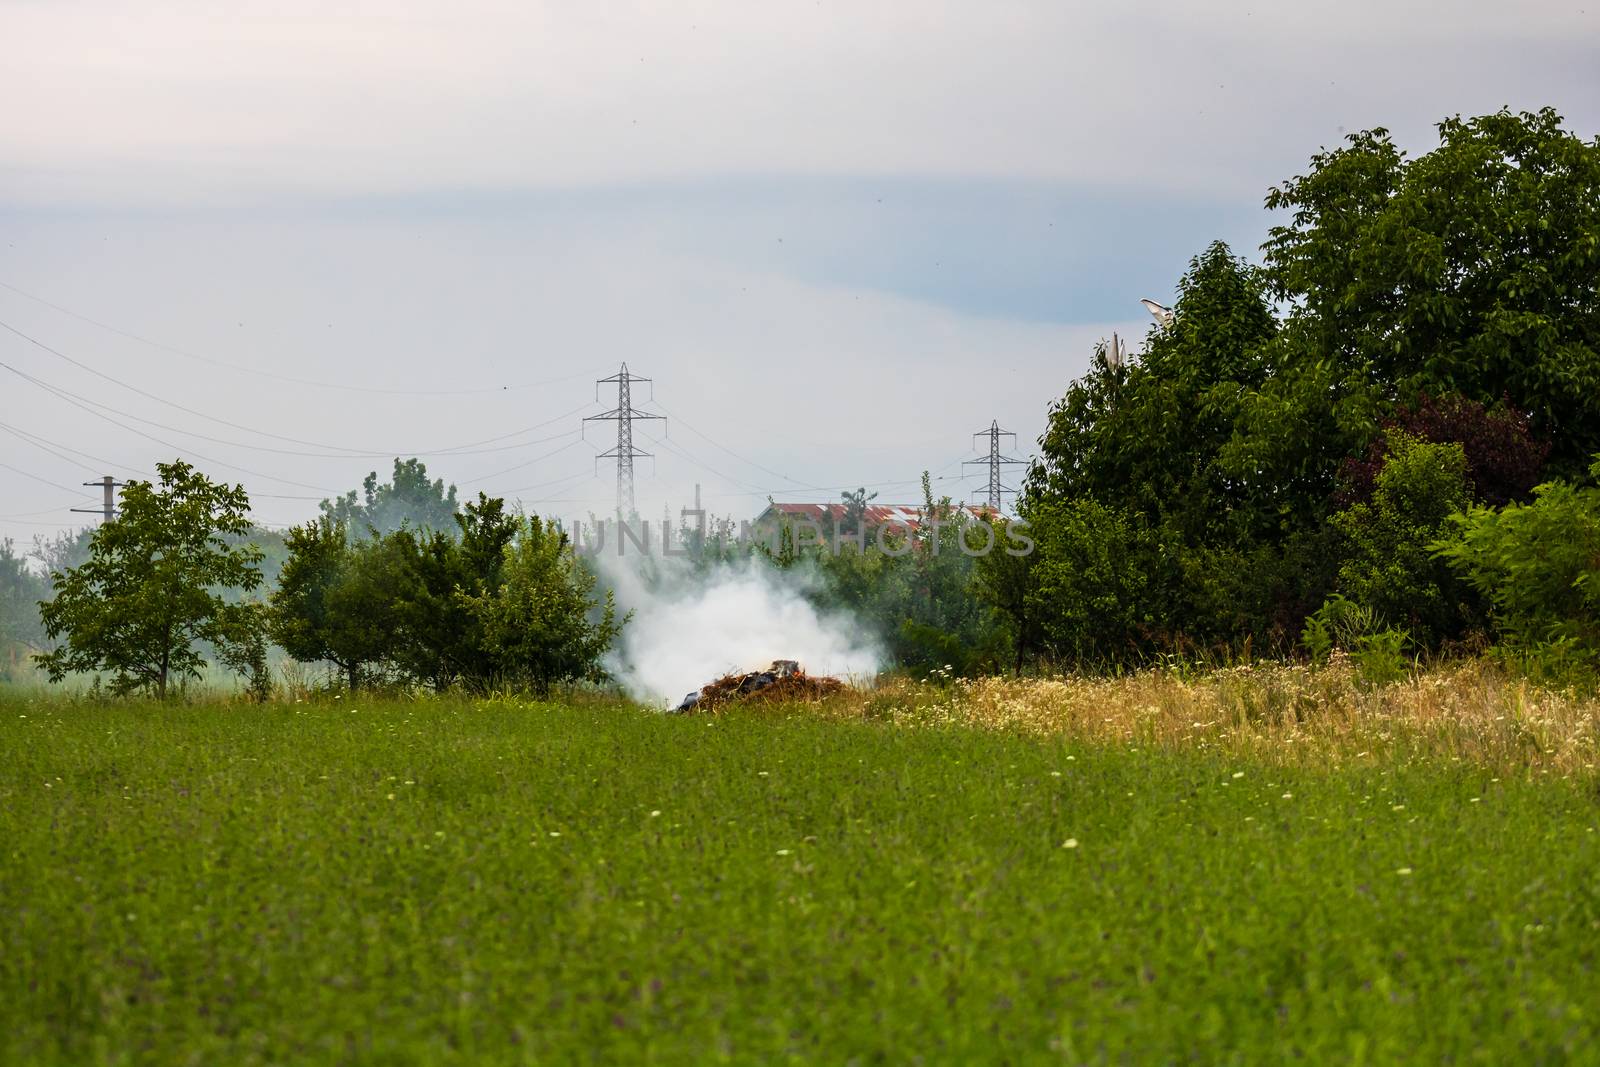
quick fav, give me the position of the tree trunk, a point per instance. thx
(354, 671)
(166, 661)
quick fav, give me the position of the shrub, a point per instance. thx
(1388, 564)
(1377, 650)
(1090, 587)
(1538, 566)
(1503, 459)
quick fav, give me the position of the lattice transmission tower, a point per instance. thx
(624, 452)
(995, 461)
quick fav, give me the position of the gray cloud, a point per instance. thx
(225, 101)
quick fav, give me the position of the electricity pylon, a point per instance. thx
(995, 460)
(624, 452)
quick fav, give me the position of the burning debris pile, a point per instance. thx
(783, 681)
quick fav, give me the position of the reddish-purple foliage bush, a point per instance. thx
(1503, 457)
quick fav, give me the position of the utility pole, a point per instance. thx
(700, 519)
(109, 508)
(995, 460)
(624, 452)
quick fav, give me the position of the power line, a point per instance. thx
(470, 448)
(44, 444)
(337, 451)
(554, 481)
(48, 445)
(678, 450)
(62, 394)
(42, 511)
(731, 452)
(85, 404)
(282, 377)
(535, 459)
(37, 522)
(41, 481)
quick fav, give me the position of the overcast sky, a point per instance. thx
(840, 237)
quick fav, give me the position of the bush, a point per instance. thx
(541, 624)
(1388, 563)
(1503, 458)
(1378, 651)
(505, 602)
(1090, 587)
(1538, 566)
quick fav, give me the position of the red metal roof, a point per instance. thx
(876, 514)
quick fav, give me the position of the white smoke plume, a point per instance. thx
(689, 629)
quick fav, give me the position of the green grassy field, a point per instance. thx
(447, 881)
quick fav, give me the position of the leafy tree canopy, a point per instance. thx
(1453, 298)
(335, 599)
(541, 623)
(1473, 269)
(1150, 436)
(151, 589)
(408, 499)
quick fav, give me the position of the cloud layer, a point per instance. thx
(192, 100)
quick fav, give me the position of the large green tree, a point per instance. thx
(1446, 296)
(1473, 269)
(152, 588)
(1149, 436)
(1189, 490)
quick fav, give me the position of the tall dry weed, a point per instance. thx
(1291, 713)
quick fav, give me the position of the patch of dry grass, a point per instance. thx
(1288, 713)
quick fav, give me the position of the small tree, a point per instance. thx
(1089, 591)
(335, 599)
(1538, 564)
(151, 588)
(541, 622)
(855, 509)
(437, 637)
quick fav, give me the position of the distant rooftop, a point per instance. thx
(909, 515)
